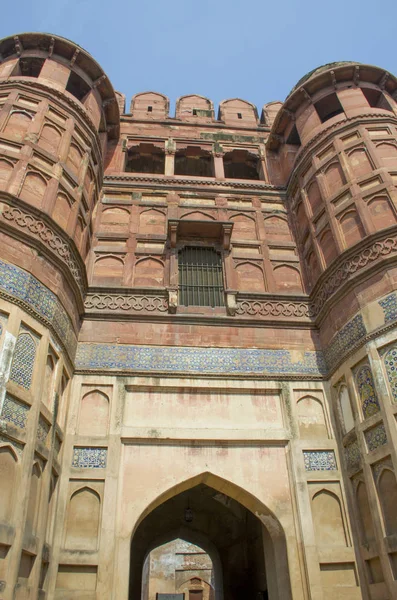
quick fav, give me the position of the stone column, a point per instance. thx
(170, 148)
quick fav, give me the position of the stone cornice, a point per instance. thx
(169, 182)
(31, 226)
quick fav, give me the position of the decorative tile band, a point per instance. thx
(351, 334)
(319, 460)
(389, 305)
(89, 458)
(197, 360)
(376, 437)
(353, 455)
(15, 412)
(34, 296)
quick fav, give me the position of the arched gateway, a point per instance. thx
(244, 540)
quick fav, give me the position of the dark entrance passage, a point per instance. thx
(227, 531)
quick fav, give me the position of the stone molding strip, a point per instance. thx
(24, 290)
(171, 182)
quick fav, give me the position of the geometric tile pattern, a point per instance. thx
(389, 305)
(89, 458)
(23, 359)
(18, 447)
(366, 391)
(375, 437)
(344, 340)
(33, 295)
(353, 455)
(178, 359)
(390, 360)
(319, 460)
(42, 430)
(15, 412)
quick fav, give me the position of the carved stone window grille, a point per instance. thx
(200, 277)
(23, 359)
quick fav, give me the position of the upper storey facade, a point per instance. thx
(282, 217)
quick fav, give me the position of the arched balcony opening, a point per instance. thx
(145, 158)
(241, 164)
(194, 161)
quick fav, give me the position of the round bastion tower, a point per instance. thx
(334, 145)
(57, 112)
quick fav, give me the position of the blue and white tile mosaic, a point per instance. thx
(375, 437)
(19, 284)
(43, 429)
(23, 359)
(15, 412)
(89, 458)
(343, 341)
(366, 391)
(319, 460)
(196, 360)
(16, 445)
(353, 455)
(389, 305)
(390, 360)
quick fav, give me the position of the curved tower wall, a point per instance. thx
(336, 142)
(57, 112)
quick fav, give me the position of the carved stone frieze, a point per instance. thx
(273, 308)
(129, 303)
(369, 253)
(40, 230)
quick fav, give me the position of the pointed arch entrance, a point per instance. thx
(245, 540)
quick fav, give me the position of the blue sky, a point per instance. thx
(256, 50)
